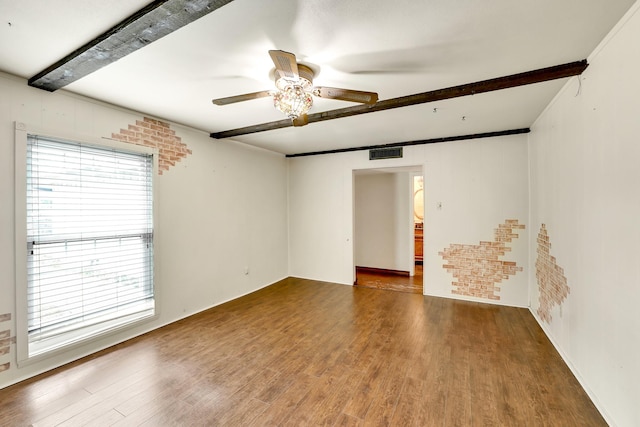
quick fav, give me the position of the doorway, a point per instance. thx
(388, 228)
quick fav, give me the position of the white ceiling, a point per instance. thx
(395, 48)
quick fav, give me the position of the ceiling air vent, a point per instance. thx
(385, 153)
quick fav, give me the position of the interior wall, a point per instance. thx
(404, 222)
(584, 152)
(382, 221)
(221, 209)
(472, 188)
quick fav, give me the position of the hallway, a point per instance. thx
(392, 281)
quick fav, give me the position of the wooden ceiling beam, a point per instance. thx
(521, 79)
(147, 25)
(416, 142)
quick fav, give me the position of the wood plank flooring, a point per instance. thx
(367, 278)
(302, 352)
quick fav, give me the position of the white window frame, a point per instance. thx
(22, 341)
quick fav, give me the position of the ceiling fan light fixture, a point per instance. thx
(295, 90)
(293, 101)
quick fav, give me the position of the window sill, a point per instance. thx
(61, 344)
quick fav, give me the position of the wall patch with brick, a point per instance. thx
(478, 269)
(156, 134)
(552, 284)
(5, 341)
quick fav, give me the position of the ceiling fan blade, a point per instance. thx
(286, 64)
(301, 120)
(240, 98)
(346, 94)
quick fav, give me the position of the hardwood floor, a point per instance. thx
(370, 278)
(302, 352)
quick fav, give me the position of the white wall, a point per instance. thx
(480, 184)
(219, 210)
(584, 154)
(383, 221)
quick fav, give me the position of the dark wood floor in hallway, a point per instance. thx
(302, 352)
(389, 280)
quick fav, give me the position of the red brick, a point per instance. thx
(477, 268)
(552, 285)
(154, 133)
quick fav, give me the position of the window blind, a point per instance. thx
(89, 240)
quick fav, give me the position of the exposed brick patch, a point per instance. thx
(5, 346)
(552, 284)
(156, 134)
(477, 269)
(5, 341)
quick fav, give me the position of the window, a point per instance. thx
(89, 241)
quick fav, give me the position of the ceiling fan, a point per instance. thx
(294, 89)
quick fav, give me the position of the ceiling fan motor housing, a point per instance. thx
(305, 79)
